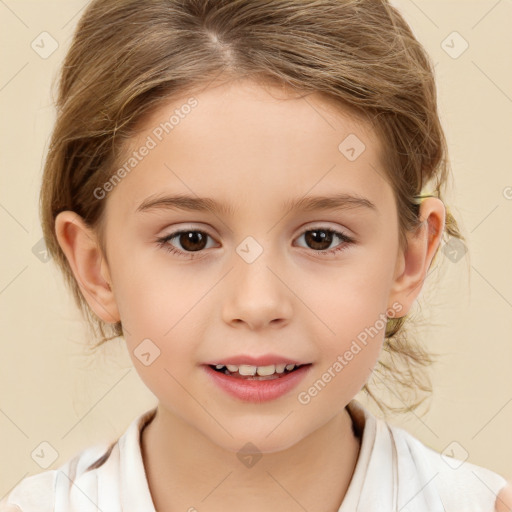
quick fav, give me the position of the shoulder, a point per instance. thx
(504, 500)
(461, 485)
(31, 494)
(94, 479)
(41, 492)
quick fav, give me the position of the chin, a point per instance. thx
(255, 441)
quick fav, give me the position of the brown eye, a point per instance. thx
(192, 240)
(189, 241)
(320, 239)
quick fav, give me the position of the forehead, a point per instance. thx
(250, 145)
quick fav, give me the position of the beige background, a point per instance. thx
(53, 392)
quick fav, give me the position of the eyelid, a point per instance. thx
(204, 228)
(327, 225)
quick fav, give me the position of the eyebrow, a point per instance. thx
(341, 201)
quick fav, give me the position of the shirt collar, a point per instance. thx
(133, 479)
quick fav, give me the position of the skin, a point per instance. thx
(251, 147)
(504, 499)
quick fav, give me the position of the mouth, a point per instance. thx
(257, 384)
(256, 373)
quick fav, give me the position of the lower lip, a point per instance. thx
(257, 391)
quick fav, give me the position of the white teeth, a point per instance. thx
(263, 371)
(266, 370)
(245, 369)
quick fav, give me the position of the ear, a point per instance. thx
(413, 263)
(80, 245)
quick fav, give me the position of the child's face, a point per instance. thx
(252, 153)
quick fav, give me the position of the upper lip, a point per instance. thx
(265, 360)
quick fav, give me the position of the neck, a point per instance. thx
(185, 469)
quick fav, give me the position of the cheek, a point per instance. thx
(351, 304)
(157, 311)
(153, 294)
(349, 298)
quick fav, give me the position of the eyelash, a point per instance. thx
(163, 242)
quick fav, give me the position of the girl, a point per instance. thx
(250, 193)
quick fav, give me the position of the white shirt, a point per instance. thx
(394, 472)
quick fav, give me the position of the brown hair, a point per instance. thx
(128, 57)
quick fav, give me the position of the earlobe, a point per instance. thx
(416, 260)
(79, 244)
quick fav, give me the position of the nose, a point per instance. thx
(257, 296)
